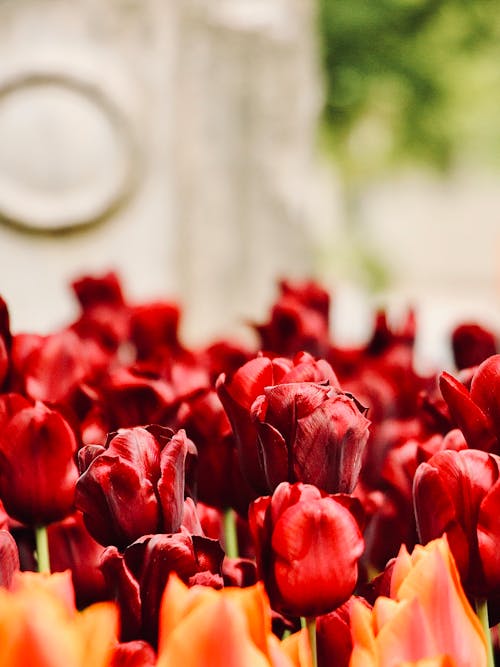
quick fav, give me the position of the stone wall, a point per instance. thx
(176, 138)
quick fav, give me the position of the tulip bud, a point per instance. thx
(458, 493)
(308, 432)
(307, 545)
(138, 577)
(37, 468)
(135, 485)
(293, 423)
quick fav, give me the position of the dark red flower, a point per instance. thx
(220, 482)
(9, 558)
(237, 393)
(71, 547)
(128, 397)
(309, 432)
(138, 577)
(5, 343)
(135, 484)
(153, 330)
(476, 411)
(308, 545)
(388, 503)
(240, 572)
(93, 291)
(105, 315)
(11, 404)
(384, 336)
(299, 321)
(50, 368)
(275, 441)
(37, 465)
(333, 632)
(458, 493)
(472, 344)
(223, 356)
(133, 654)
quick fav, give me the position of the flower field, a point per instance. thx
(295, 503)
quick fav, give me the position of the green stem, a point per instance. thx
(230, 533)
(42, 549)
(482, 614)
(310, 624)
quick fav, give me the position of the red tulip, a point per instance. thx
(37, 467)
(50, 368)
(128, 397)
(138, 577)
(237, 392)
(135, 485)
(220, 481)
(5, 342)
(389, 506)
(92, 291)
(426, 622)
(458, 493)
(334, 635)
(133, 654)
(223, 356)
(472, 344)
(292, 423)
(476, 412)
(105, 315)
(154, 330)
(309, 432)
(308, 545)
(72, 548)
(9, 558)
(299, 321)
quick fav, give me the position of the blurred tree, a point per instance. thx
(408, 81)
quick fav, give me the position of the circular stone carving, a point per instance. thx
(66, 152)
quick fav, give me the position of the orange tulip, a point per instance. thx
(427, 621)
(202, 627)
(40, 626)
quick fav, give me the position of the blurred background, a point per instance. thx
(205, 148)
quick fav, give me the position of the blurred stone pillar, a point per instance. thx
(85, 157)
(246, 109)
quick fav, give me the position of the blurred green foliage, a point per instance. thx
(410, 80)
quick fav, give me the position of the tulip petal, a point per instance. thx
(133, 654)
(488, 532)
(317, 546)
(37, 468)
(172, 480)
(472, 421)
(213, 634)
(9, 558)
(329, 444)
(118, 503)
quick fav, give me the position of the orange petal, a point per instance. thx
(214, 633)
(178, 601)
(38, 628)
(434, 580)
(254, 603)
(96, 630)
(365, 652)
(58, 584)
(440, 661)
(298, 649)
